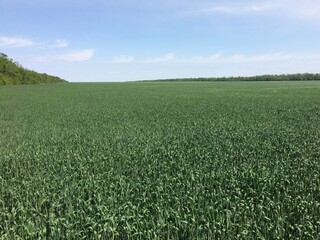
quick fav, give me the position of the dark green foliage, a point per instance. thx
(283, 77)
(12, 73)
(160, 161)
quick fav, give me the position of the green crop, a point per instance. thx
(160, 161)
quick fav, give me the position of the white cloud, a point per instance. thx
(59, 43)
(200, 59)
(123, 59)
(215, 58)
(237, 7)
(15, 42)
(166, 58)
(259, 58)
(256, 7)
(130, 59)
(237, 58)
(306, 9)
(271, 57)
(75, 56)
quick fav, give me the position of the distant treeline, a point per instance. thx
(12, 73)
(283, 77)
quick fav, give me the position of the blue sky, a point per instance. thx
(124, 40)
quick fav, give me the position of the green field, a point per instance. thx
(237, 160)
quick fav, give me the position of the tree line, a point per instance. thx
(12, 73)
(282, 77)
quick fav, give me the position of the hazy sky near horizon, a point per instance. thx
(124, 40)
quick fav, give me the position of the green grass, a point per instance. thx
(160, 161)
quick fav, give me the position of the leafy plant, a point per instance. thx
(160, 161)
